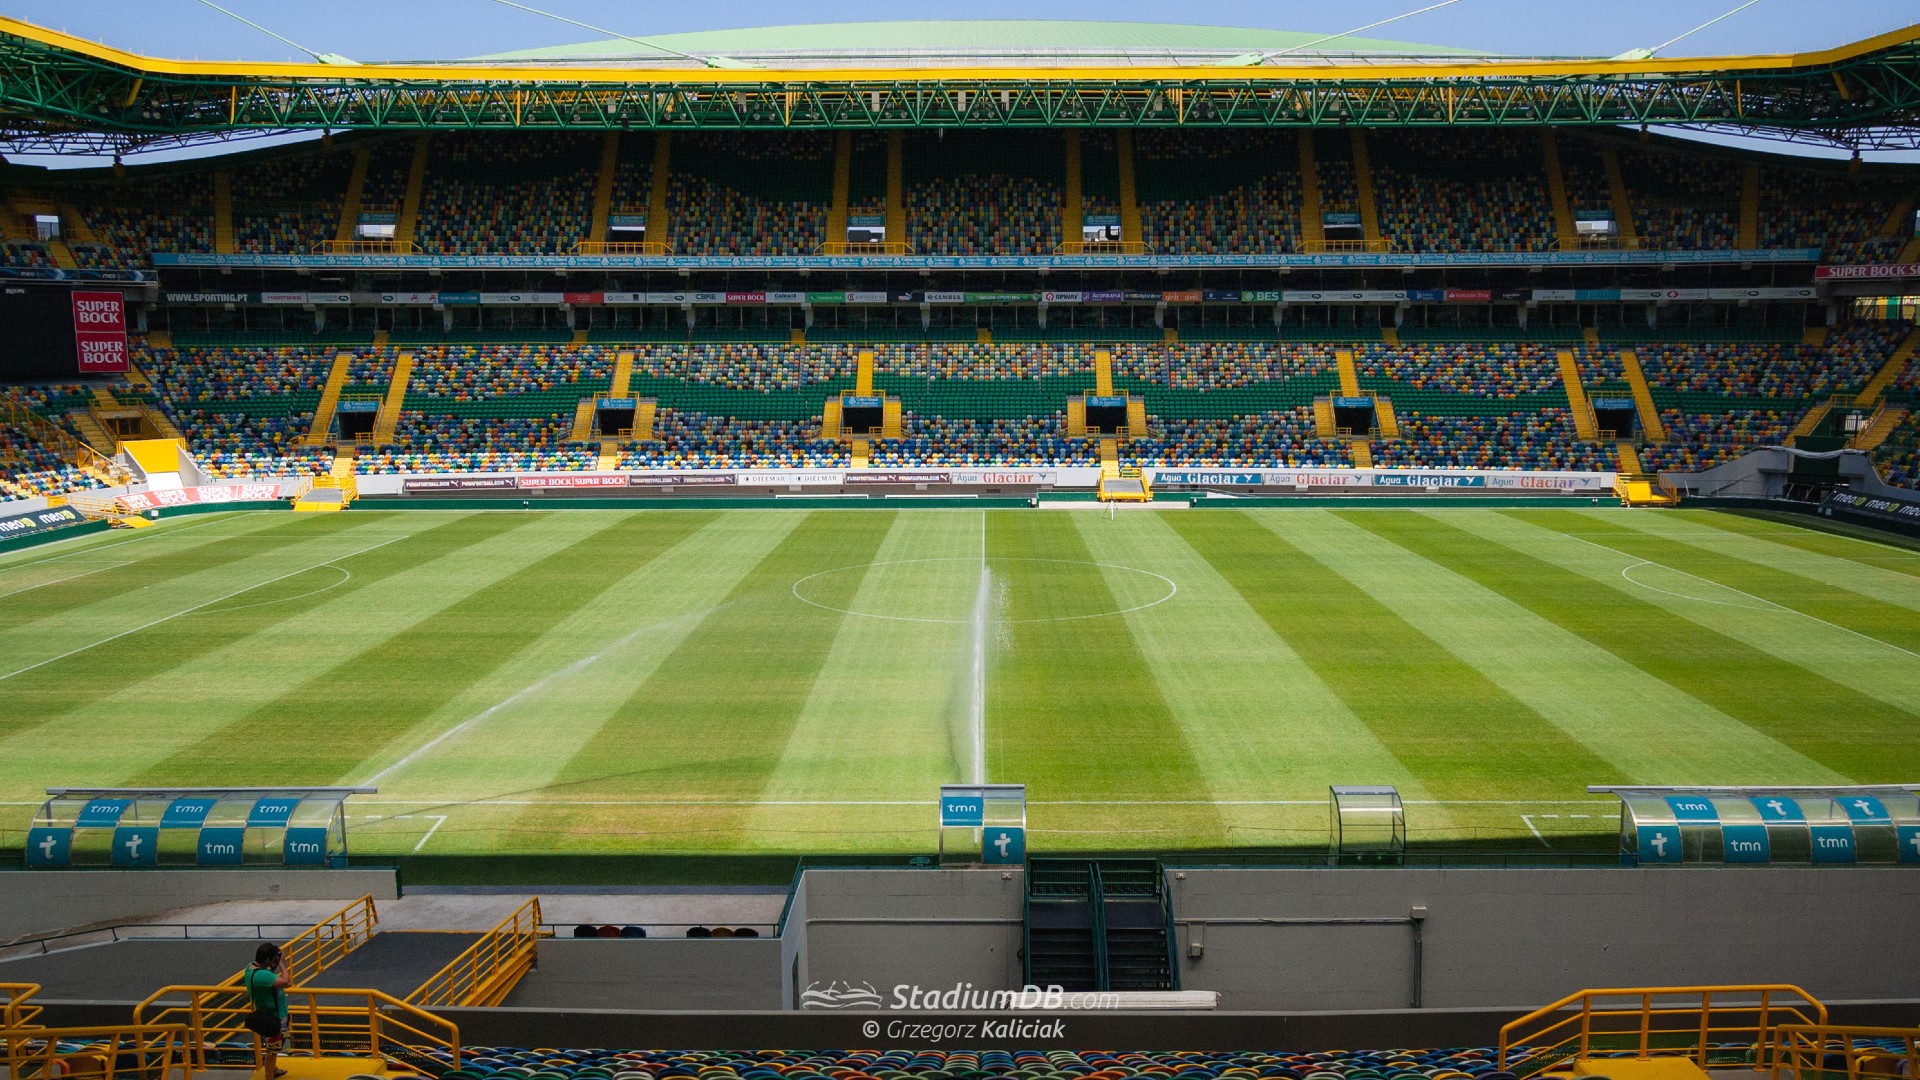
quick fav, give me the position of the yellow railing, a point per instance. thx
(489, 969)
(863, 247)
(14, 1010)
(78, 452)
(367, 247)
(1659, 1021)
(1807, 1052)
(1604, 243)
(96, 506)
(127, 1052)
(621, 247)
(320, 1021)
(1104, 247)
(322, 945)
(1337, 247)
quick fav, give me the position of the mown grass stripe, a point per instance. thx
(324, 730)
(1822, 536)
(1261, 724)
(1417, 698)
(1809, 570)
(1654, 732)
(585, 667)
(150, 571)
(715, 716)
(60, 691)
(1861, 614)
(1260, 721)
(903, 677)
(1847, 731)
(1073, 711)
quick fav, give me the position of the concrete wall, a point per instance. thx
(884, 928)
(653, 973)
(40, 902)
(1521, 938)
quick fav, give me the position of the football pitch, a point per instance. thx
(696, 682)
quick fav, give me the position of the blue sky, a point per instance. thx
(445, 29)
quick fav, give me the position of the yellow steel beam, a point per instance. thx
(149, 66)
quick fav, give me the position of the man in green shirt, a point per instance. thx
(266, 983)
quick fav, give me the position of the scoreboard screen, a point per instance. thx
(53, 333)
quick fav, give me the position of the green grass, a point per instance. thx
(664, 690)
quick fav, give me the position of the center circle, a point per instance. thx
(1020, 589)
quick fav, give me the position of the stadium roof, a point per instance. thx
(948, 42)
(62, 93)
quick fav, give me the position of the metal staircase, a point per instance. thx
(1099, 925)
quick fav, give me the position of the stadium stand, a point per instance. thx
(289, 203)
(1683, 201)
(527, 193)
(976, 194)
(1440, 193)
(752, 195)
(1217, 193)
(123, 220)
(1035, 1064)
(499, 406)
(970, 193)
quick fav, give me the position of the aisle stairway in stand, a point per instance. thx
(1890, 371)
(1099, 925)
(1642, 398)
(388, 420)
(1577, 403)
(1884, 423)
(329, 400)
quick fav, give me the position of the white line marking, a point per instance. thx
(1627, 573)
(982, 603)
(345, 576)
(457, 801)
(217, 517)
(191, 610)
(1729, 588)
(1536, 832)
(69, 577)
(1172, 591)
(525, 691)
(438, 820)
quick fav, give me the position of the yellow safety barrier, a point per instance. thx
(863, 247)
(125, 1052)
(1658, 1021)
(1104, 247)
(1604, 243)
(320, 1021)
(367, 247)
(485, 973)
(621, 247)
(77, 452)
(323, 944)
(1807, 1052)
(1328, 247)
(14, 1010)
